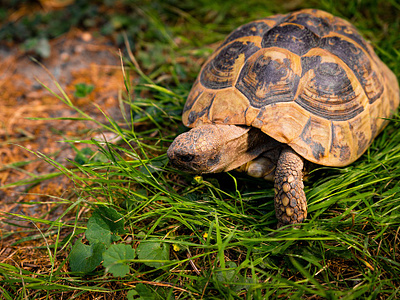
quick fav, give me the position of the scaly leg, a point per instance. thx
(290, 199)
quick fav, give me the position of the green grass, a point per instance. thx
(214, 236)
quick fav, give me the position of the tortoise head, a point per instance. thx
(214, 148)
(198, 150)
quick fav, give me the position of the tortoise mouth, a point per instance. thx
(192, 168)
(181, 160)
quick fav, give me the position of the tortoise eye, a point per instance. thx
(186, 157)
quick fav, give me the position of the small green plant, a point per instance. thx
(103, 229)
(82, 90)
(116, 259)
(152, 251)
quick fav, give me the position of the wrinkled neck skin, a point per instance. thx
(219, 148)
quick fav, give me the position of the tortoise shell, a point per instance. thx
(307, 79)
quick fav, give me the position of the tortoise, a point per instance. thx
(281, 93)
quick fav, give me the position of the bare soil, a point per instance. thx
(76, 57)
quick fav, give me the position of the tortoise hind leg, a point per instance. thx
(290, 199)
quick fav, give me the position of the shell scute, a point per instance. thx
(358, 61)
(225, 113)
(270, 76)
(195, 93)
(316, 136)
(256, 28)
(342, 142)
(199, 111)
(318, 22)
(346, 29)
(271, 118)
(361, 131)
(221, 71)
(293, 37)
(327, 88)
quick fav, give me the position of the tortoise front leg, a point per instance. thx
(290, 199)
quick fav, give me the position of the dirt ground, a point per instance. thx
(76, 57)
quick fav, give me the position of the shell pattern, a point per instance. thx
(307, 79)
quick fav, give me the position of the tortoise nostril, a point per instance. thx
(170, 153)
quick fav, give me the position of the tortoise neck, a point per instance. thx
(241, 145)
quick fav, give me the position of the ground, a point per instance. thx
(76, 57)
